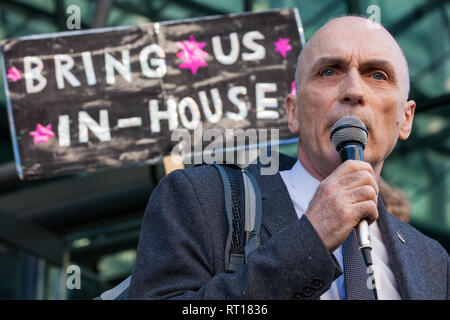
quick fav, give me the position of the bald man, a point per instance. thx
(350, 67)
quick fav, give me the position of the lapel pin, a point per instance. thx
(401, 237)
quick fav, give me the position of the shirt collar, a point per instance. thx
(304, 183)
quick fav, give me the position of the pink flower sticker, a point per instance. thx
(282, 46)
(14, 74)
(42, 134)
(192, 54)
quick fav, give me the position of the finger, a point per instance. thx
(359, 178)
(363, 193)
(350, 166)
(366, 210)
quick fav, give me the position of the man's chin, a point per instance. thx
(328, 162)
(333, 157)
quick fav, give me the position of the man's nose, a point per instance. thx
(352, 89)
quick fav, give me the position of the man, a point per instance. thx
(350, 67)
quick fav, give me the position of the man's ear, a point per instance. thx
(405, 130)
(291, 110)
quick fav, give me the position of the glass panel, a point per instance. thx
(25, 276)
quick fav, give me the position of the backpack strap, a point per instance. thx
(253, 213)
(234, 249)
(244, 217)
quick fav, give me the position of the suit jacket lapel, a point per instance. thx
(278, 209)
(406, 264)
(401, 258)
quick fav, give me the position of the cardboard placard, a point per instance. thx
(99, 98)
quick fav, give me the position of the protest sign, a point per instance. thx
(84, 100)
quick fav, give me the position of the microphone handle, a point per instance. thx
(354, 151)
(351, 152)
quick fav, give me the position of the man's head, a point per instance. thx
(350, 67)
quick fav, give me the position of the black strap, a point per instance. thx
(234, 250)
(243, 207)
(253, 205)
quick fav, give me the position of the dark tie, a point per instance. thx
(355, 271)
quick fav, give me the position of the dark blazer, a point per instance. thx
(182, 244)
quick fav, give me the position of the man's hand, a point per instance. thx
(346, 196)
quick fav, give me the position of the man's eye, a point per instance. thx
(327, 72)
(378, 76)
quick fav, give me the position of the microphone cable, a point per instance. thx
(367, 256)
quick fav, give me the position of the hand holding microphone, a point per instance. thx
(349, 137)
(349, 194)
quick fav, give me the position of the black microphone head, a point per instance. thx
(348, 130)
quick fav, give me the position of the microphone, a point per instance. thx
(349, 137)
